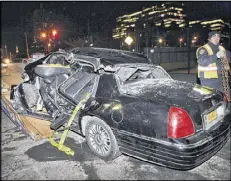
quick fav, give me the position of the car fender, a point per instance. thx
(84, 121)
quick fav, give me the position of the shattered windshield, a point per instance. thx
(128, 74)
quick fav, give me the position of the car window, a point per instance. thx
(127, 74)
(57, 58)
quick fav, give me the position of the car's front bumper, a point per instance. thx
(182, 156)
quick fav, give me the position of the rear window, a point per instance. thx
(127, 74)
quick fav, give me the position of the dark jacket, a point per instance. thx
(204, 59)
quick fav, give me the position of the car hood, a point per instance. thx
(170, 91)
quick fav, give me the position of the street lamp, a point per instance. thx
(43, 35)
(17, 51)
(160, 41)
(129, 41)
(181, 40)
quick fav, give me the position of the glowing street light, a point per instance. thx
(181, 40)
(43, 35)
(160, 40)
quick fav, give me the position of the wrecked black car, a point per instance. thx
(135, 108)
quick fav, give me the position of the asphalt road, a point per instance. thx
(25, 159)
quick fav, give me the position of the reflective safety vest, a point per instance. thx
(209, 71)
(203, 89)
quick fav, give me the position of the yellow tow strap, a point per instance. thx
(61, 145)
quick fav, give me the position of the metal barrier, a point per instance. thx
(171, 54)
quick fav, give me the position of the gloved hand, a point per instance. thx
(220, 54)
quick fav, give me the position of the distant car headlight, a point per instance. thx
(3, 65)
(6, 60)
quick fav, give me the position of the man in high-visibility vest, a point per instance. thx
(209, 62)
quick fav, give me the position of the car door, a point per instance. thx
(80, 83)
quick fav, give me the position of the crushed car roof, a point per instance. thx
(110, 56)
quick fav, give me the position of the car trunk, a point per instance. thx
(200, 102)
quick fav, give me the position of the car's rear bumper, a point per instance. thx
(178, 156)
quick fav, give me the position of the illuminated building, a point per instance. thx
(202, 27)
(213, 25)
(165, 15)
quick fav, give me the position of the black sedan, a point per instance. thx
(136, 108)
(141, 111)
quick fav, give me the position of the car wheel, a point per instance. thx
(101, 140)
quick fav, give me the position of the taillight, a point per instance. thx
(180, 124)
(225, 98)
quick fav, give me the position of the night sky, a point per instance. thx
(105, 13)
(102, 15)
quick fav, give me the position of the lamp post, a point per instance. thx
(229, 26)
(17, 51)
(188, 45)
(129, 41)
(27, 49)
(6, 51)
(10, 57)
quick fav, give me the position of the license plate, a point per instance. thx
(212, 116)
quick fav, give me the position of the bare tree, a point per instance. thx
(79, 42)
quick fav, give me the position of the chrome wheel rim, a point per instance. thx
(99, 139)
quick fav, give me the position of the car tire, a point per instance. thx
(101, 140)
